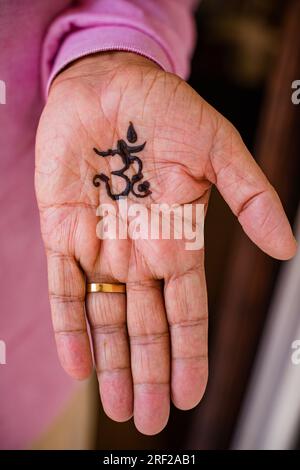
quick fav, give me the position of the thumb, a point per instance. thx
(249, 194)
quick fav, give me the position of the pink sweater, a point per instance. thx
(37, 38)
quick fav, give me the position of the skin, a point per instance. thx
(150, 346)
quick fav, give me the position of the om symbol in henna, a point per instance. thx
(125, 151)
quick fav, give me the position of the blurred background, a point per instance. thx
(247, 56)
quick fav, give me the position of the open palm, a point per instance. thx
(151, 344)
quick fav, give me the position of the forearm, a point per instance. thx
(162, 31)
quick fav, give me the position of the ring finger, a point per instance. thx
(107, 318)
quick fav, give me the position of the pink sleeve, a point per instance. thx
(162, 30)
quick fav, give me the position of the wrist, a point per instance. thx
(100, 64)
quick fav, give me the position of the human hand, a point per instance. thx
(151, 344)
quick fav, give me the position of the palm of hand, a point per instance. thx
(189, 146)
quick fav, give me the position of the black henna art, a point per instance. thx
(125, 151)
(131, 134)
